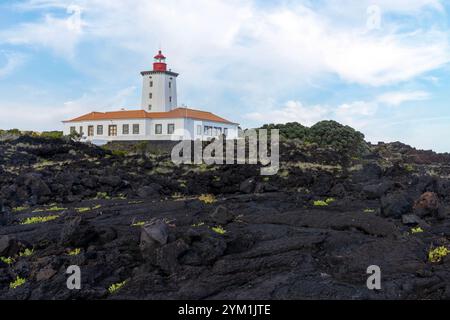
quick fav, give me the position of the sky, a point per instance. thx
(380, 66)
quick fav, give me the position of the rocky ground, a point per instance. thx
(140, 227)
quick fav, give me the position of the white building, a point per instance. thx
(158, 119)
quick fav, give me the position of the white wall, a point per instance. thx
(161, 92)
(184, 129)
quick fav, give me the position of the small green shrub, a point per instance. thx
(102, 195)
(26, 253)
(17, 283)
(436, 254)
(320, 203)
(74, 252)
(116, 286)
(416, 230)
(19, 209)
(207, 198)
(219, 230)
(138, 224)
(198, 224)
(369, 210)
(39, 219)
(6, 260)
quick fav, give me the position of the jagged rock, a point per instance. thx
(153, 235)
(247, 186)
(395, 205)
(222, 215)
(112, 181)
(76, 233)
(45, 274)
(149, 191)
(427, 204)
(9, 246)
(376, 191)
(411, 219)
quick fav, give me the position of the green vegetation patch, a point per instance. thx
(437, 254)
(116, 287)
(17, 283)
(39, 219)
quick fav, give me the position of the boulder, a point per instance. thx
(153, 235)
(112, 181)
(9, 246)
(376, 191)
(222, 215)
(149, 191)
(75, 233)
(427, 204)
(247, 186)
(36, 185)
(395, 205)
(411, 219)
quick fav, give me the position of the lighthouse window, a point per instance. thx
(151, 84)
(135, 129)
(99, 130)
(126, 129)
(170, 128)
(149, 107)
(158, 128)
(170, 85)
(150, 95)
(170, 99)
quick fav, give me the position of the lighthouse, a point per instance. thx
(159, 87)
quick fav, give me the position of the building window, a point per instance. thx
(170, 128)
(151, 84)
(149, 107)
(225, 131)
(135, 128)
(207, 130)
(150, 95)
(199, 130)
(73, 130)
(90, 131)
(126, 129)
(112, 130)
(81, 130)
(219, 131)
(99, 130)
(158, 128)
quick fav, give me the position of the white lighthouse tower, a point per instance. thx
(159, 91)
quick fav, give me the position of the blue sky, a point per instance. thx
(379, 66)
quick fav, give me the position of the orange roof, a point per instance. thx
(142, 114)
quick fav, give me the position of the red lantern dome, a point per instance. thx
(160, 62)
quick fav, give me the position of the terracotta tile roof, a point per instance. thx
(142, 114)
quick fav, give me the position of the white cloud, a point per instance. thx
(209, 35)
(293, 111)
(59, 34)
(397, 98)
(12, 62)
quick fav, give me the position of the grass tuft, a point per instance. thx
(116, 286)
(435, 255)
(17, 283)
(207, 198)
(39, 219)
